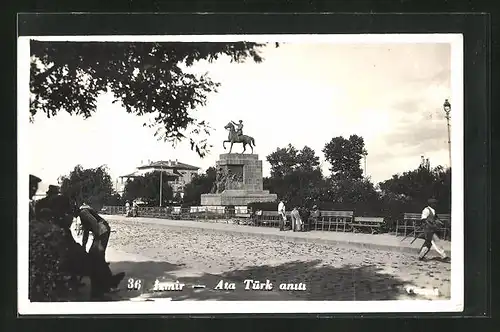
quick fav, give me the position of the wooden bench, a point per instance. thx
(445, 231)
(270, 218)
(372, 224)
(412, 223)
(334, 220)
(408, 225)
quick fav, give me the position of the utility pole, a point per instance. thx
(447, 109)
(161, 183)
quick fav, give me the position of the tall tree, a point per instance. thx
(295, 175)
(147, 188)
(412, 189)
(307, 160)
(345, 155)
(285, 160)
(357, 195)
(146, 77)
(91, 185)
(200, 184)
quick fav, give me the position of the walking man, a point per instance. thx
(431, 223)
(281, 213)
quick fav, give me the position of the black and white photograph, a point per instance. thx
(182, 174)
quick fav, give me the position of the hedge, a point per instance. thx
(263, 206)
(51, 257)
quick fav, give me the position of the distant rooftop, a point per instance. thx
(138, 174)
(169, 164)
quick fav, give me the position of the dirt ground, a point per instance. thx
(195, 256)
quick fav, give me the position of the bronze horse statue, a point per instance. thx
(234, 138)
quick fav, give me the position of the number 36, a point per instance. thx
(134, 284)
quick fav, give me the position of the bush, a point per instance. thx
(263, 206)
(50, 259)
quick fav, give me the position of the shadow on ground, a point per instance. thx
(323, 282)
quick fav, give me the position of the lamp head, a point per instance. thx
(447, 106)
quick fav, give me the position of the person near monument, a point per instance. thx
(127, 209)
(431, 224)
(296, 220)
(135, 209)
(315, 215)
(239, 127)
(282, 214)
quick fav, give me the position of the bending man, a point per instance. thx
(93, 222)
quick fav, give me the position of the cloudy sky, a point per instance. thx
(303, 94)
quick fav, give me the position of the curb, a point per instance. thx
(291, 238)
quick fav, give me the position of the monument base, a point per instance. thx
(237, 198)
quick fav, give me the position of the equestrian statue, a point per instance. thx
(236, 136)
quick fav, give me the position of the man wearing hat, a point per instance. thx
(431, 224)
(47, 202)
(34, 181)
(53, 191)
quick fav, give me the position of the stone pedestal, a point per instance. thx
(244, 184)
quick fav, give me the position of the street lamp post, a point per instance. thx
(447, 109)
(364, 153)
(161, 183)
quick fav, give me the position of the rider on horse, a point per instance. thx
(239, 128)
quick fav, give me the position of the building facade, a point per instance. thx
(178, 174)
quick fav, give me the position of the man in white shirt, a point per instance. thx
(127, 209)
(430, 223)
(281, 212)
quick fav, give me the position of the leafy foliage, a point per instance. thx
(51, 258)
(345, 155)
(146, 77)
(295, 175)
(92, 185)
(200, 184)
(412, 189)
(147, 188)
(284, 161)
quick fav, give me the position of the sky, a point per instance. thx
(305, 94)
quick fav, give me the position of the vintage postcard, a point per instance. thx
(240, 174)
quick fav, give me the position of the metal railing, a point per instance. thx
(329, 220)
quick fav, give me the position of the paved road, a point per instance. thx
(191, 256)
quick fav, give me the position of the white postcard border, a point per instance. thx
(455, 304)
